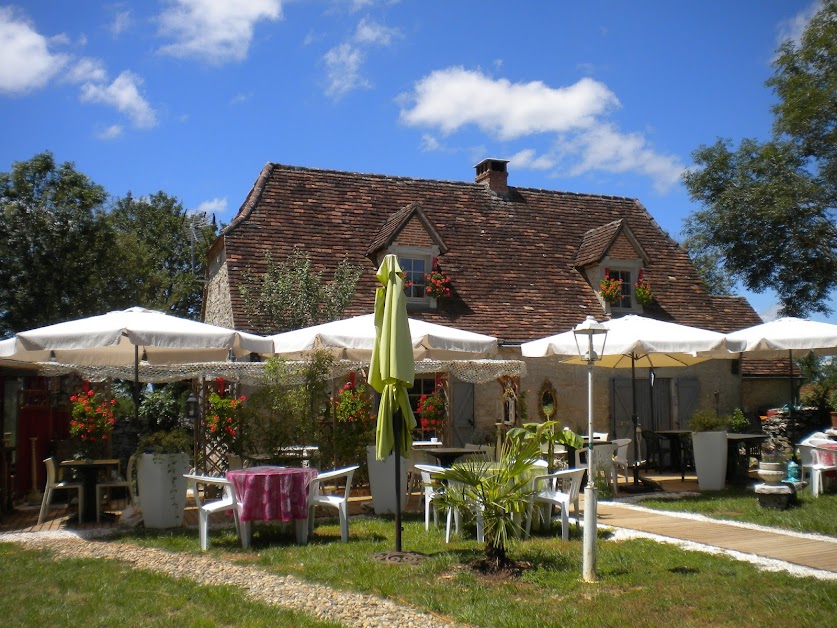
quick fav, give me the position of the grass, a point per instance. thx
(641, 582)
(814, 514)
(39, 591)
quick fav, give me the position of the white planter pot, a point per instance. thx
(382, 482)
(710, 450)
(162, 489)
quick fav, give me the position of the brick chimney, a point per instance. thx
(494, 174)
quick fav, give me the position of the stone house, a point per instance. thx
(523, 264)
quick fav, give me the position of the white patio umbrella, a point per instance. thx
(784, 336)
(354, 339)
(637, 341)
(120, 338)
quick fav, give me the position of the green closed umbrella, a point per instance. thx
(391, 372)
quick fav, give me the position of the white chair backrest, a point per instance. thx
(50, 471)
(209, 480)
(600, 435)
(805, 458)
(603, 455)
(574, 477)
(336, 474)
(622, 449)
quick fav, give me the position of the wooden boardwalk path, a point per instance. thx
(798, 550)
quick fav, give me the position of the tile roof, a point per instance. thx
(512, 258)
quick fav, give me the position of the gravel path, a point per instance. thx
(350, 609)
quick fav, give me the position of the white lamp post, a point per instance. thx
(584, 336)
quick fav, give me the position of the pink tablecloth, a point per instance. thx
(830, 457)
(272, 493)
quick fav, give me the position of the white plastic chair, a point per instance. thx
(427, 472)
(227, 503)
(414, 477)
(454, 517)
(127, 483)
(806, 461)
(555, 495)
(341, 502)
(620, 460)
(52, 484)
(822, 461)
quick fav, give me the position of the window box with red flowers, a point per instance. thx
(433, 413)
(642, 291)
(438, 284)
(91, 423)
(611, 289)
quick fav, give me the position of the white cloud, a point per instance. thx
(792, 28)
(111, 132)
(343, 70)
(87, 70)
(26, 62)
(454, 98)
(429, 143)
(123, 93)
(771, 313)
(373, 33)
(214, 206)
(121, 22)
(217, 31)
(240, 98)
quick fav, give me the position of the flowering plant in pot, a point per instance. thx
(438, 284)
(355, 425)
(91, 423)
(433, 412)
(611, 289)
(224, 420)
(642, 292)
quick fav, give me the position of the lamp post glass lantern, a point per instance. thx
(587, 339)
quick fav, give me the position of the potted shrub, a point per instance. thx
(709, 443)
(163, 458)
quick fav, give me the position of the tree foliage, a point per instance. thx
(768, 215)
(55, 245)
(162, 253)
(291, 295)
(65, 256)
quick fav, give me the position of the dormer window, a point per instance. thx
(416, 269)
(626, 302)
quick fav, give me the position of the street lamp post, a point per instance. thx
(584, 337)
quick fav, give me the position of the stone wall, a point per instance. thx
(784, 433)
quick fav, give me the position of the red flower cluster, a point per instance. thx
(223, 420)
(93, 417)
(353, 404)
(438, 284)
(611, 289)
(432, 411)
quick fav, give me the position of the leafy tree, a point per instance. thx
(56, 248)
(291, 295)
(162, 254)
(769, 208)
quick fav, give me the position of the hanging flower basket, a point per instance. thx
(438, 284)
(91, 423)
(611, 289)
(642, 292)
(224, 420)
(433, 412)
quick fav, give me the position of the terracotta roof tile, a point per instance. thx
(512, 261)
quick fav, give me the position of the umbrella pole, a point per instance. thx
(635, 419)
(136, 384)
(396, 432)
(792, 391)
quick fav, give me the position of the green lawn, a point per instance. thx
(40, 591)
(814, 514)
(641, 582)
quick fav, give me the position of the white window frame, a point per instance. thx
(623, 266)
(424, 253)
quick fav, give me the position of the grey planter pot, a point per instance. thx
(710, 449)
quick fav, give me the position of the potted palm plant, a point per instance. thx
(709, 443)
(163, 459)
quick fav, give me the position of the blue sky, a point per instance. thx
(194, 97)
